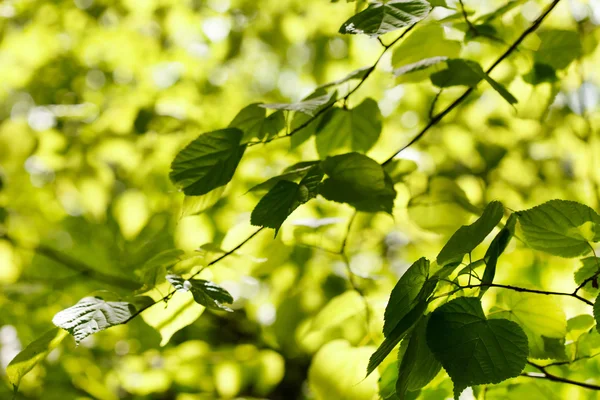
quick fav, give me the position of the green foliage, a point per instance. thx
(206, 293)
(208, 162)
(380, 18)
(91, 315)
(252, 120)
(560, 227)
(472, 349)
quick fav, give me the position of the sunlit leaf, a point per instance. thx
(558, 48)
(91, 315)
(472, 349)
(560, 227)
(255, 124)
(310, 106)
(206, 293)
(380, 18)
(208, 162)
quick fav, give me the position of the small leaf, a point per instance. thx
(338, 312)
(205, 293)
(309, 106)
(357, 129)
(419, 65)
(590, 266)
(472, 349)
(291, 173)
(359, 181)
(380, 18)
(405, 294)
(34, 353)
(419, 366)
(193, 205)
(306, 124)
(496, 248)
(540, 73)
(255, 124)
(560, 227)
(558, 48)
(396, 335)
(354, 75)
(399, 168)
(468, 237)
(467, 73)
(208, 162)
(153, 271)
(283, 198)
(539, 316)
(597, 312)
(91, 315)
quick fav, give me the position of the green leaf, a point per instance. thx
(310, 106)
(582, 322)
(467, 73)
(467, 237)
(410, 55)
(396, 335)
(274, 208)
(154, 270)
(560, 227)
(357, 129)
(91, 315)
(354, 75)
(34, 353)
(308, 123)
(590, 266)
(359, 181)
(180, 311)
(540, 73)
(597, 313)
(193, 205)
(208, 162)
(539, 316)
(205, 293)
(399, 168)
(443, 208)
(339, 311)
(380, 18)
(558, 48)
(405, 294)
(472, 349)
(496, 248)
(291, 173)
(419, 366)
(252, 120)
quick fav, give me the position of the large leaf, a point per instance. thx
(310, 106)
(255, 124)
(467, 73)
(34, 353)
(357, 129)
(206, 293)
(418, 366)
(561, 227)
(208, 162)
(539, 316)
(380, 18)
(467, 237)
(558, 48)
(396, 335)
(274, 208)
(91, 315)
(359, 181)
(493, 252)
(472, 349)
(405, 293)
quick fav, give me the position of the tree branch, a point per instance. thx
(432, 122)
(554, 378)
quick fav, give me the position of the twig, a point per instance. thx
(551, 377)
(321, 111)
(432, 122)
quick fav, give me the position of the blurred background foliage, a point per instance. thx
(97, 97)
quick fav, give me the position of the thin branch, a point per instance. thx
(591, 278)
(432, 122)
(561, 363)
(554, 378)
(172, 292)
(526, 290)
(368, 72)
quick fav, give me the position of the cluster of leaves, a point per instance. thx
(431, 312)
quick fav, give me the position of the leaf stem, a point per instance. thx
(433, 121)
